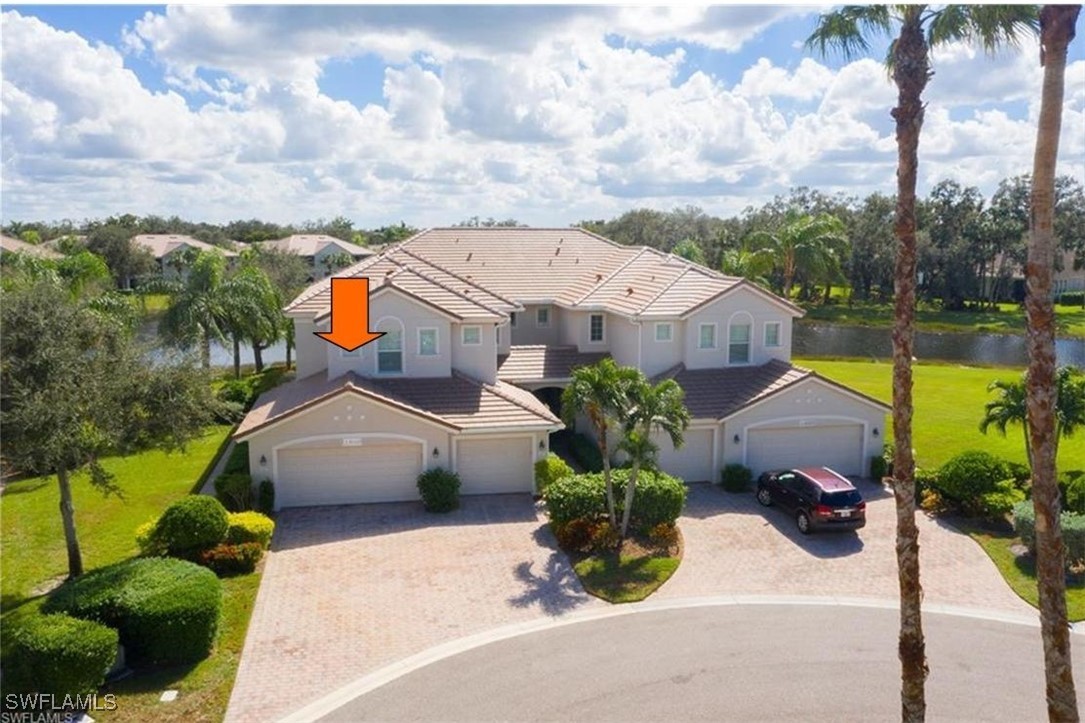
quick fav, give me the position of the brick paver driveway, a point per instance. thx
(347, 590)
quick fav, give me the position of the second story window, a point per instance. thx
(772, 333)
(390, 352)
(542, 316)
(706, 336)
(427, 342)
(664, 331)
(472, 335)
(595, 328)
(738, 349)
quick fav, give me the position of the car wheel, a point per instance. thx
(764, 496)
(803, 522)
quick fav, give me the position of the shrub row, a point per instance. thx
(237, 493)
(232, 559)
(1072, 298)
(198, 528)
(58, 655)
(1072, 526)
(586, 452)
(549, 470)
(658, 498)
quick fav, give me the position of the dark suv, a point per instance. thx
(819, 498)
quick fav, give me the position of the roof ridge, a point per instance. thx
(453, 274)
(662, 291)
(318, 287)
(451, 290)
(492, 388)
(604, 282)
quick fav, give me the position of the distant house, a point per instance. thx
(170, 251)
(318, 250)
(9, 245)
(1010, 277)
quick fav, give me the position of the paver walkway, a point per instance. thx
(348, 590)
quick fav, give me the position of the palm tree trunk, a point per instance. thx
(630, 489)
(910, 72)
(289, 347)
(237, 357)
(258, 356)
(1056, 32)
(67, 516)
(205, 349)
(611, 514)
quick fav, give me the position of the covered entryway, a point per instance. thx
(348, 471)
(494, 466)
(693, 462)
(836, 445)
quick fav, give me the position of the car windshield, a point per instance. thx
(842, 498)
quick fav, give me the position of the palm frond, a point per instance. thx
(846, 30)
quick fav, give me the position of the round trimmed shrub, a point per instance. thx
(440, 490)
(968, 476)
(579, 497)
(249, 527)
(658, 498)
(550, 470)
(265, 496)
(191, 524)
(166, 610)
(234, 491)
(879, 468)
(150, 545)
(736, 477)
(58, 655)
(225, 560)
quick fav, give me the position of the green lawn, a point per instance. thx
(1006, 319)
(628, 579)
(949, 402)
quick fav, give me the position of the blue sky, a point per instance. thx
(549, 114)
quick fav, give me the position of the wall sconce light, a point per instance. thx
(263, 461)
(875, 431)
(436, 453)
(542, 445)
(736, 439)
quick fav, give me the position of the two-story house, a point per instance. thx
(482, 329)
(320, 251)
(174, 253)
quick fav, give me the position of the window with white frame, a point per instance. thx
(595, 328)
(772, 333)
(472, 335)
(427, 342)
(542, 316)
(664, 331)
(390, 352)
(706, 336)
(738, 344)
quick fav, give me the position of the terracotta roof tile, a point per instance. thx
(18, 246)
(310, 244)
(527, 364)
(160, 244)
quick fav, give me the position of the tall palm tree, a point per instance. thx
(747, 264)
(918, 28)
(253, 313)
(196, 314)
(1007, 408)
(651, 408)
(1057, 25)
(600, 392)
(811, 242)
(1011, 406)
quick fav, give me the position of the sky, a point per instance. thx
(433, 114)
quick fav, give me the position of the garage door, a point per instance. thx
(493, 466)
(372, 472)
(693, 462)
(839, 447)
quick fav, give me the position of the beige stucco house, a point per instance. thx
(318, 250)
(174, 252)
(482, 325)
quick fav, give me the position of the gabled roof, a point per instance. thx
(310, 244)
(160, 244)
(721, 393)
(531, 364)
(17, 246)
(569, 267)
(459, 402)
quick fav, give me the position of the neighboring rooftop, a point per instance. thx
(161, 244)
(534, 364)
(13, 245)
(310, 244)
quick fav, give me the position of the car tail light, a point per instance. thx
(823, 511)
(861, 506)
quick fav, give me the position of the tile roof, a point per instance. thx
(161, 244)
(719, 393)
(567, 266)
(13, 245)
(311, 244)
(528, 364)
(458, 402)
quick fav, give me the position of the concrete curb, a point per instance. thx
(367, 683)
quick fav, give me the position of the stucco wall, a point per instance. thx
(528, 332)
(311, 351)
(659, 356)
(478, 361)
(742, 306)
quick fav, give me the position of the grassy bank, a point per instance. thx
(1005, 319)
(949, 401)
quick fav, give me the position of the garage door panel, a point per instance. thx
(348, 475)
(693, 462)
(839, 447)
(496, 466)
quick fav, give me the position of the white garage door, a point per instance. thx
(693, 462)
(839, 447)
(374, 472)
(494, 466)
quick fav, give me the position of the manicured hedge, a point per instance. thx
(440, 490)
(965, 478)
(58, 655)
(550, 469)
(265, 497)
(736, 477)
(232, 559)
(250, 527)
(658, 498)
(1072, 526)
(238, 461)
(192, 524)
(166, 610)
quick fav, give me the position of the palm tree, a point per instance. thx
(810, 242)
(195, 315)
(253, 313)
(919, 27)
(651, 408)
(1057, 25)
(600, 392)
(1007, 408)
(747, 264)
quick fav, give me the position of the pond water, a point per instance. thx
(814, 340)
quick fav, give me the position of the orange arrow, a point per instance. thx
(350, 315)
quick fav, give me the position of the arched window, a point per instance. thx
(390, 346)
(739, 337)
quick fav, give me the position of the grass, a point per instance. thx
(624, 579)
(949, 402)
(154, 304)
(1020, 572)
(1005, 319)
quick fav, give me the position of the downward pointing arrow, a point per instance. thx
(350, 315)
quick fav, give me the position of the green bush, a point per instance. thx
(192, 524)
(238, 461)
(241, 392)
(1024, 523)
(1020, 473)
(736, 477)
(165, 610)
(265, 497)
(58, 655)
(232, 559)
(249, 527)
(879, 468)
(148, 541)
(998, 503)
(440, 490)
(604, 537)
(1072, 487)
(925, 479)
(1072, 526)
(234, 491)
(550, 469)
(969, 475)
(579, 497)
(586, 452)
(1072, 298)
(658, 498)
